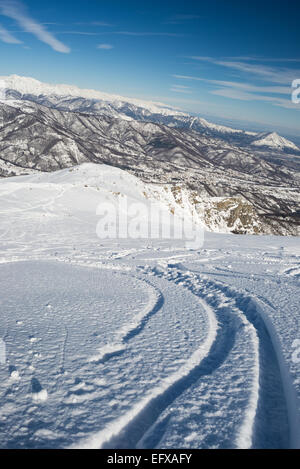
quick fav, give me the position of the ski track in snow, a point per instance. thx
(142, 343)
(214, 294)
(131, 429)
(228, 310)
(130, 329)
(128, 429)
(268, 390)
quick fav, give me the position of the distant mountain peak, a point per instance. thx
(272, 139)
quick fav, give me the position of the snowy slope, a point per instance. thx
(140, 343)
(40, 138)
(137, 336)
(85, 187)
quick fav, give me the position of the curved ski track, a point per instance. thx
(267, 419)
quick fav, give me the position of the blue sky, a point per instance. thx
(233, 61)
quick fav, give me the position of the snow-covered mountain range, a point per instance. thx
(72, 98)
(26, 87)
(51, 127)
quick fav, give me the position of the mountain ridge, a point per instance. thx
(72, 98)
(215, 167)
(36, 138)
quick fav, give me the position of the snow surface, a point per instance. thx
(140, 343)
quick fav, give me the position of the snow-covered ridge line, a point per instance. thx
(26, 85)
(66, 97)
(221, 128)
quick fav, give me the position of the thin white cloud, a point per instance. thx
(244, 96)
(181, 19)
(180, 89)
(121, 33)
(242, 86)
(275, 80)
(105, 46)
(7, 37)
(187, 77)
(181, 86)
(51, 23)
(16, 10)
(278, 75)
(264, 59)
(144, 33)
(247, 91)
(272, 74)
(186, 17)
(101, 23)
(94, 23)
(80, 33)
(253, 88)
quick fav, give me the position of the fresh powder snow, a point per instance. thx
(140, 343)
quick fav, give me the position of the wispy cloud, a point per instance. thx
(244, 96)
(121, 33)
(180, 86)
(241, 86)
(105, 46)
(146, 33)
(281, 75)
(264, 59)
(94, 23)
(187, 77)
(180, 89)
(179, 19)
(51, 23)
(258, 81)
(15, 10)
(7, 37)
(80, 33)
